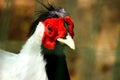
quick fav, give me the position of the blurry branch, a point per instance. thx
(5, 20)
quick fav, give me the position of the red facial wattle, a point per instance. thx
(54, 29)
(69, 21)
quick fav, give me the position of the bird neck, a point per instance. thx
(32, 46)
(31, 60)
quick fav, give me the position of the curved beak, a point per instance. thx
(68, 41)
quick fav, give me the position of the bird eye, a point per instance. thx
(49, 29)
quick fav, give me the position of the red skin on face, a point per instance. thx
(69, 21)
(55, 28)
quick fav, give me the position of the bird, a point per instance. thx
(42, 56)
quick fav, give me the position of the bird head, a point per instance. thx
(53, 26)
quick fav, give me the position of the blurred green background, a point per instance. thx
(97, 34)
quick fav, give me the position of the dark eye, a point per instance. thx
(49, 28)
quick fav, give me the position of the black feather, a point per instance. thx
(51, 12)
(56, 66)
(42, 4)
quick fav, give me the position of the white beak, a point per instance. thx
(68, 41)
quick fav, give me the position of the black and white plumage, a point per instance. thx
(42, 56)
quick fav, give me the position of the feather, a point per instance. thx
(29, 62)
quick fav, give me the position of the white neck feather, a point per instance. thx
(33, 44)
(31, 58)
(29, 64)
